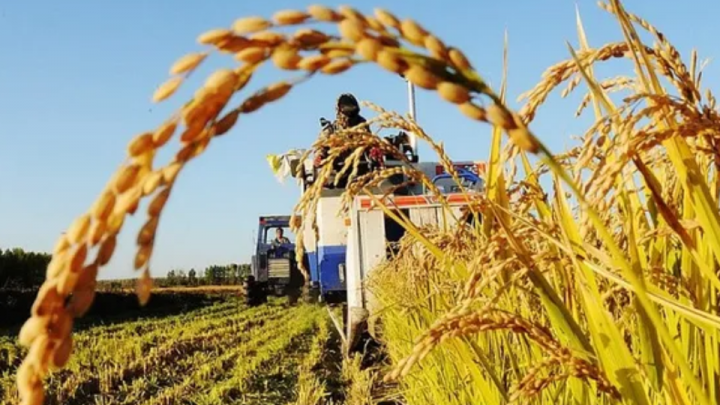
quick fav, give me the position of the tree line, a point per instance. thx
(20, 269)
(212, 275)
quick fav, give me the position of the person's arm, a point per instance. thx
(322, 152)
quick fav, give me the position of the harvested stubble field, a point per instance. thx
(122, 305)
(220, 353)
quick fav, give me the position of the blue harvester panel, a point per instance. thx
(330, 259)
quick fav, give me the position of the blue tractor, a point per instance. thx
(274, 265)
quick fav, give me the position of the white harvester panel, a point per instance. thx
(367, 240)
(332, 229)
(308, 235)
(310, 245)
(366, 249)
(331, 245)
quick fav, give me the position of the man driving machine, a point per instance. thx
(347, 115)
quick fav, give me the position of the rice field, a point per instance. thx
(593, 277)
(222, 353)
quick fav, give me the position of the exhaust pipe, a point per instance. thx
(413, 113)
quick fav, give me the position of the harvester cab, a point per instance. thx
(274, 265)
(326, 254)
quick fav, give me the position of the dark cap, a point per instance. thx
(347, 104)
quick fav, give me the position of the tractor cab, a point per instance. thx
(274, 264)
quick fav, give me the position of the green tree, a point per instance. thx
(171, 279)
(20, 269)
(244, 270)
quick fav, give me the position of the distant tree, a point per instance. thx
(233, 273)
(182, 277)
(244, 270)
(21, 269)
(229, 274)
(171, 279)
(214, 275)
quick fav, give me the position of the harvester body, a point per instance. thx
(348, 247)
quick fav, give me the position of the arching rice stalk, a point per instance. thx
(69, 288)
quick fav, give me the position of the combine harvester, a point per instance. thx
(349, 248)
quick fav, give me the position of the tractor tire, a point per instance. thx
(293, 295)
(252, 294)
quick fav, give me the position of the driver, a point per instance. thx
(279, 238)
(347, 115)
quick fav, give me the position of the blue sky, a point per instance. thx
(76, 79)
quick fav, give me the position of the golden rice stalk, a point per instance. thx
(413, 32)
(286, 58)
(233, 44)
(276, 91)
(387, 18)
(453, 93)
(252, 55)
(215, 36)
(473, 111)
(163, 134)
(436, 47)
(167, 89)
(187, 63)
(376, 25)
(226, 123)
(78, 229)
(268, 38)
(458, 59)
(314, 62)
(141, 144)
(144, 287)
(322, 13)
(352, 30)
(369, 48)
(337, 66)
(309, 38)
(290, 17)
(424, 78)
(391, 61)
(352, 14)
(248, 25)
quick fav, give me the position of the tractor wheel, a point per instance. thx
(293, 295)
(252, 291)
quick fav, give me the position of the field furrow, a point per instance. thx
(261, 362)
(159, 354)
(205, 378)
(215, 354)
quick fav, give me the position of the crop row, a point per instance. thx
(111, 362)
(223, 377)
